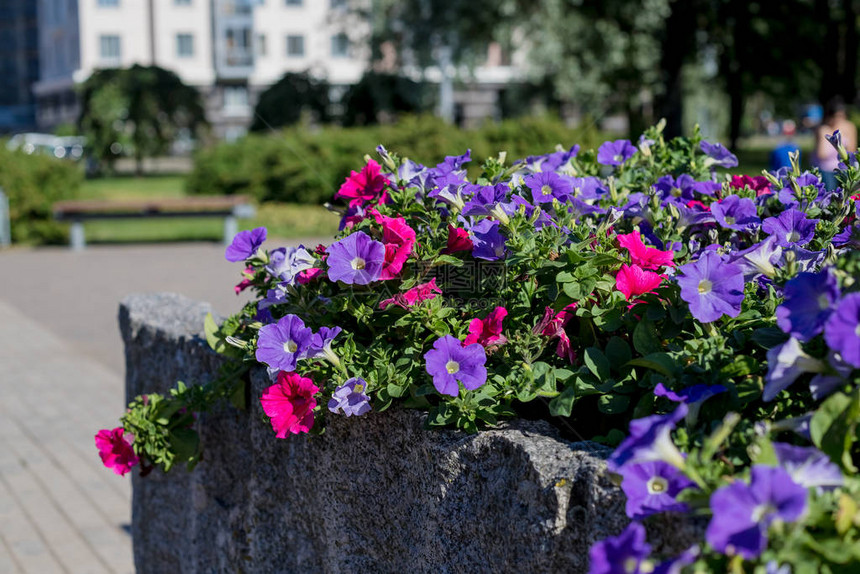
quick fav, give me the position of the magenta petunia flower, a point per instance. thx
(413, 296)
(349, 398)
(399, 241)
(487, 331)
(449, 362)
(282, 344)
(712, 288)
(651, 487)
(458, 240)
(632, 280)
(355, 259)
(615, 153)
(842, 330)
(116, 451)
(742, 512)
(245, 244)
(364, 186)
(642, 255)
(290, 403)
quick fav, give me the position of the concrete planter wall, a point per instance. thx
(376, 493)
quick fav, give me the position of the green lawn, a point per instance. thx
(285, 221)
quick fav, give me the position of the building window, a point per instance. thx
(184, 45)
(295, 46)
(293, 2)
(339, 46)
(261, 44)
(109, 49)
(108, 3)
(235, 98)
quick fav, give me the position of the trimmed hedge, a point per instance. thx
(33, 184)
(300, 165)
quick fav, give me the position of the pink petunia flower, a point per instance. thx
(115, 450)
(552, 326)
(364, 186)
(487, 331)
(633, 280)
(415, 295)
(458, 240)
(759, 184)
(289, 404)
(642, 255)
(309, 275)
(399, 241)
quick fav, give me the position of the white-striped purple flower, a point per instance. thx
(355, 259)
(282, 344)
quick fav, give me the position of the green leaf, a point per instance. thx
(572, 290)
(740, 367)
(604, 260)
(833, 427)
(597, 363)
(613, 404)
(185, 443)
(660, 362)
(618, 352)
(210, 328)
(646, 339)
(561, 405)
(769, 337)
(237, 397)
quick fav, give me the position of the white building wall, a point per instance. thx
(194, 19)
(129, 20)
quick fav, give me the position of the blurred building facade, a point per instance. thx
(19, 64)
(230, 50)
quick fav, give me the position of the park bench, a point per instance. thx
(230, 208)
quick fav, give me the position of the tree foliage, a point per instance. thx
(143, 109)
(285, 101)
(378, 96)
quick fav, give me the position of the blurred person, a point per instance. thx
(779, 156)
(825, 156)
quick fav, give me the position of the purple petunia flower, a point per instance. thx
(349, 398)
(760, 259)
(321, 345)
(693, 396)
(355, 259)
(281, 345)
(712, 288)
(245, 244)
(735, 212)
(615, 153)
(848, 237)
(546, 186)
(484, 199)
(809, 300)
(675, 565)
(286, 263)
(651, 487)
(588, 188)
(808, 466)
(842, 330)
(791, 227)
(488, 243)
(718, 155)
(649, 439)
(622, 553)
(742, 512)
(449, 361)
(785, 363)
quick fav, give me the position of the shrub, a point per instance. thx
(33, 183)
(302, 166)
(283, 103)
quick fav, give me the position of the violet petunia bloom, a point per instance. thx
(286, 263)
(711, 287)
(282, 344)
(349, 398)
(449, 362)
(718, 155)
(356, 259)
(808, 466)
(842, 330)
(759, 259)
(677, 564)
(691, 394)
(737, 213)
(245, 244)
(809, 301)
(791, 227)
(649, 439)
(320, 347)
(623, 553)
(848, 237)
(651, 487)
(615, 153)
(785, 363)
(742, 512)
(546, 186)
(488, 242)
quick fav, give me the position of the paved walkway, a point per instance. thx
(62, 379)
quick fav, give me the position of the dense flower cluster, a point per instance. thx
(636, 293)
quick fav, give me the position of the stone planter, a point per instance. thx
(376, 493)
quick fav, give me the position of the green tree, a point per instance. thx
(284, 102)
(378, 95)
(142, 108)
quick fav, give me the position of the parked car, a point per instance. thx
(68, 147)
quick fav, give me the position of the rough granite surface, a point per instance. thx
(376, 493)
